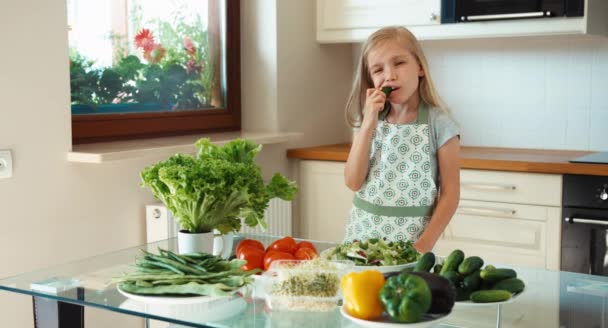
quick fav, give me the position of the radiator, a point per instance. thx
(160, 223)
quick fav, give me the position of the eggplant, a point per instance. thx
(442, 290)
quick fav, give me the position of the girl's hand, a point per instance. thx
(374, 104)
(421, 246)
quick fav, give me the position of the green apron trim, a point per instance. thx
(422, 118)
(423, 114)
(398, 211)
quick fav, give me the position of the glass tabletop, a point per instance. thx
(551, 299)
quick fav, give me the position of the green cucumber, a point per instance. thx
(513, 285)
(425, 262)
(497, 275)
(472, 282)
(452, 276)
(437, 268)
(470, 265)
(387, 105)
(453, 261)
(489, 296)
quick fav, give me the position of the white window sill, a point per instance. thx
(125, 150)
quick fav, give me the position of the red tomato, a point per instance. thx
(305, 253)
(286, 244)
(275, 255)
(306, 244)
(254, 257)
(249, 242)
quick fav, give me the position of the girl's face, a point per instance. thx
(391, 64)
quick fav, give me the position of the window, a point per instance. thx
(148, 68)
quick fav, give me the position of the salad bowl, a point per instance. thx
(375, 254)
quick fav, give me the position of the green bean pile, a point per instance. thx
(193, 274)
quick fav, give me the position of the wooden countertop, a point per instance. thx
(481, 158)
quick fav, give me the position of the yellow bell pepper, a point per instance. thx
(361, 294)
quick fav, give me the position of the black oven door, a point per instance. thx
(458, 11)
(584, 246)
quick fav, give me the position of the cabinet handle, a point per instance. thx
(486, 211)
(507, 16)
(588, 221)
(487, 186)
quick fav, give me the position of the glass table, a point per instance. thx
(551, 299)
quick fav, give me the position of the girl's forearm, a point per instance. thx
(357, 163)
(445, 209)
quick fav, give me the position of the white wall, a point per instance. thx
(53, 211)
(543, 93)
(547, 93)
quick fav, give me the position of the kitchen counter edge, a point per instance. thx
(483, 158)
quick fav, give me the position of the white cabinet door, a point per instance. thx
(511, 187)
(501, 233)
(325, 201)
(357, 18)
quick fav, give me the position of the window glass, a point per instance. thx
(134, 56)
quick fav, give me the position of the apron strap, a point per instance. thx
(423, 113)
(398, 211)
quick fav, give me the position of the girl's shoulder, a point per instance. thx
(439, 117)
(442, 126)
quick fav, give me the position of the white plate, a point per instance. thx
(385, 322)
(383, 268)
(196, 313)
(510, 300)
(171, 299)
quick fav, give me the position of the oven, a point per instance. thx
(462, 11)
(585, 226)
(584, 249)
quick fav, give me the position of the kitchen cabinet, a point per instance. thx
(506, 217)
(324, 201)
(343, 21)
(354, 19)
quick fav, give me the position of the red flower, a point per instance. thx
(155, 54)
(189, 46)
(145, 40)
(192, 67)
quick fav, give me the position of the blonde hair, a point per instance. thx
(363, 80)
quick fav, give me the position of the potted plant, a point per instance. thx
(217, 189)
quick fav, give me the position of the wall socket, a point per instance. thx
(6, 164)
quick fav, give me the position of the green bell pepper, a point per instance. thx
(406, 297)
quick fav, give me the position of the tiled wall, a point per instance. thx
(545, 93)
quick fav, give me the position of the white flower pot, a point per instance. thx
(207, 242)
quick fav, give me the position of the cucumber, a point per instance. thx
(497, 275)
(387, 105)
(513, 285)
(489, 296)
(462, 294)
(437, 268)
(472, 282)
(425, 262)
(470, 265)
(453, 277)
(453, 261)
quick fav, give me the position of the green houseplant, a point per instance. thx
(216, 189)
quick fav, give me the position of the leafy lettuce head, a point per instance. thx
(217, 187)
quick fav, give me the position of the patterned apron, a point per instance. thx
(397, 198)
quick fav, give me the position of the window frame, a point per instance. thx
(110, 127)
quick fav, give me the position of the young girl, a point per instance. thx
(398, 160)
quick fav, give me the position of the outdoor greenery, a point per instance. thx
(174, 72)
